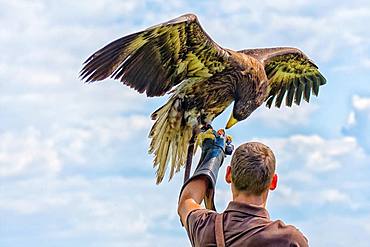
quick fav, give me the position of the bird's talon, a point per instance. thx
(206, 127)
(221, 132)
(208, 134)
(229, 139)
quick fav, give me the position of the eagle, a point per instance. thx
(179, 58)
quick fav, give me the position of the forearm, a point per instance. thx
(195, 189)
(192, 196)
(201, 186)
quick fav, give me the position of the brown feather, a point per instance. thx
(156, 59)
(287, 67)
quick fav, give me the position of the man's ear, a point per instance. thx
(274, 181)
(228, 175)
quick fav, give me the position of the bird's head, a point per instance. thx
(247, 98)
(242, 109)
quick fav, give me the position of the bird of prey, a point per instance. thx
(202, 78)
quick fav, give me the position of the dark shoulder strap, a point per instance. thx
(219, 230)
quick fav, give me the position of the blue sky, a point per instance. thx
(74, 168)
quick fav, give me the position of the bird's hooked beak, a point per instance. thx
(232, 121)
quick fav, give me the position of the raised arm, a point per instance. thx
(192, 196)
(201, 185)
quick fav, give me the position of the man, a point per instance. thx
(246, 221)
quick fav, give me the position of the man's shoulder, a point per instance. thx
(203, 215)
(284, 232)
(200, 226)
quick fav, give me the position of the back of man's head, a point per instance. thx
(252, 168)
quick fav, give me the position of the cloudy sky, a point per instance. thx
(74, 168)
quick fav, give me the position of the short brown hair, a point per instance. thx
(252, 167)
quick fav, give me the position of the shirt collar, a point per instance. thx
(248, 209)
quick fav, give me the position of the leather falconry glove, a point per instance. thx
(215, 146)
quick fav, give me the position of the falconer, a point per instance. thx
(246, 221)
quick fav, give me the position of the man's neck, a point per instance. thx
(250, 199)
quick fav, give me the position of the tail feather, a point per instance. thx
(170, 139)
(174, 158)
(175, 161)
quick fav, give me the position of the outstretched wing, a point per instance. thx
(289, 72)
(158, 58)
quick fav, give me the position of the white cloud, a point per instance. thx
(361, 103)
(337, 230)
(351, 120)
(287, 196)
(39, 78)
(314, 152)
(26, 151)
(33, 153)
(358, 124)
(366, 62)
(333, 196)
(285, 116)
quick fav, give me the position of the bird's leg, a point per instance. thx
(191, 150)
(189, 157)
